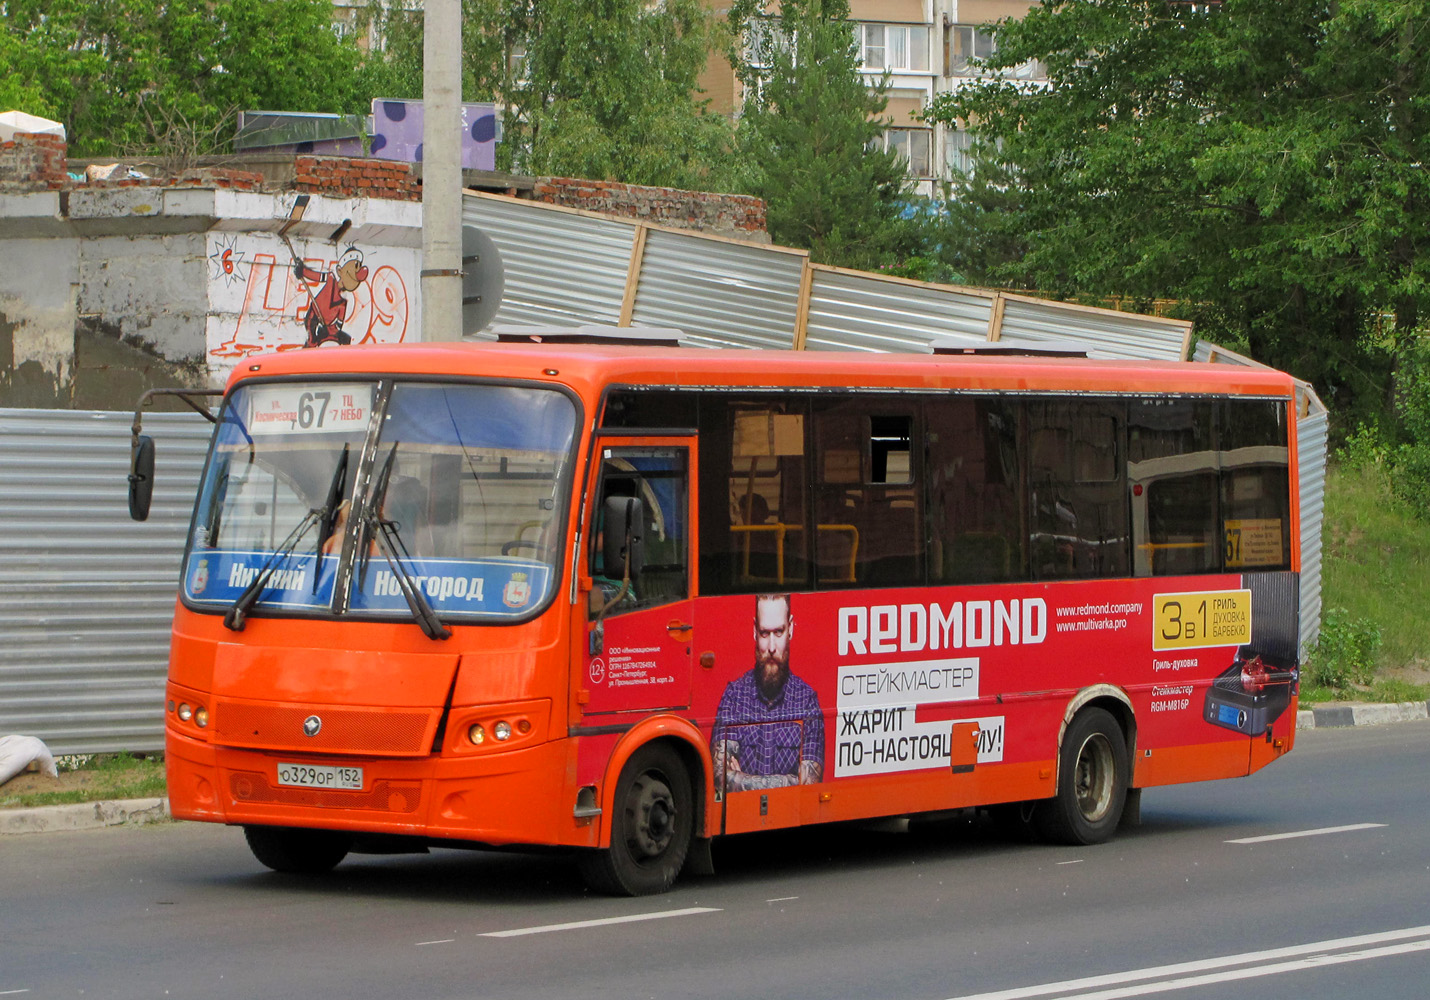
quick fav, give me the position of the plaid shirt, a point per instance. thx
(770, 737)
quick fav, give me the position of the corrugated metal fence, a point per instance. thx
(86, 594)
(566, 268)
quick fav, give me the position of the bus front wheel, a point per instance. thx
(307, 852)
(653, 818)
(1092, 782)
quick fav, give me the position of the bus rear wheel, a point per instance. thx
(1092, 782)
(306, 852)
(652, 821)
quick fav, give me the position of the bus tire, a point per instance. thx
(1092, 782)
(652, 821)
(305, 852)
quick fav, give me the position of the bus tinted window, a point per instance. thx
(1172, 470)
(759, 539)
(1255, 486)
(1076, 495)
(868, 528)
(976, 497)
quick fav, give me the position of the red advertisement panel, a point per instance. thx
(824, 687)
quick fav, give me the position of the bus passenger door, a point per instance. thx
(639, 625)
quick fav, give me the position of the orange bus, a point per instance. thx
(623, 600)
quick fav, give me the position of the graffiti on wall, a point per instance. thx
(267, 296)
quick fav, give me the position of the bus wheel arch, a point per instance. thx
(650, 823)
(1116, 703)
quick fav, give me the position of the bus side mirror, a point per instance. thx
(623, 544)
(141, 477)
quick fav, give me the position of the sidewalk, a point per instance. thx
(133, 812)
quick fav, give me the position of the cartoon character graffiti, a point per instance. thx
(328, 306)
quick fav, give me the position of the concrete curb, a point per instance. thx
(1339, 716)
(83, 816)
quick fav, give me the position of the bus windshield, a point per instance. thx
(335, 497)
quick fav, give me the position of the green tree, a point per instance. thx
(606, 89)
(809, 134)
(125, 75)
(1262, 160)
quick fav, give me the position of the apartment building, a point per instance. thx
(926, 47)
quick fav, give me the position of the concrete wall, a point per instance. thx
(116, 281)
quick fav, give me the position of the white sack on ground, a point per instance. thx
(16, 753)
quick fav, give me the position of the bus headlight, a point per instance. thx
(201, 717)
(477, 734)
(502, 731)
(185, 712)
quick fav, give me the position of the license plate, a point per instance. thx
(316, 776)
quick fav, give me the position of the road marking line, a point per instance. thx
(1306, 833)
(781, 899)
(602, 922)
(6, 993)
(443, 941)
(1256, 971)
(1317, 948)
(1077, 862)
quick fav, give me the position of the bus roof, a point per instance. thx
(588, 368)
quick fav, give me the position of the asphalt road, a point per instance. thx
(1176, 907)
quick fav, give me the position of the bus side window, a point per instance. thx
(759, 541)
(1078, 504)
(868, 504)
(975, 490)
(660, 479)
(1172, 475)
(1255, 484)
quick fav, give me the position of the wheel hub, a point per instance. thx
(1093, 778)
(652, 809)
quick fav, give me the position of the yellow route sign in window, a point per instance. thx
(1254, 542)
(1206, 618)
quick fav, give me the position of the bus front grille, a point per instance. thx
(338, 730)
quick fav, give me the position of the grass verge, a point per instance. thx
(87, 778)
(1376, 575)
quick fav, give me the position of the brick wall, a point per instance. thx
(33, 161)
(345, 177)
(735, 215)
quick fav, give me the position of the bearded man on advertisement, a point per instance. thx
(769, 731)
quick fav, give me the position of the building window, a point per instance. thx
(896, 47)
(968, 45)
(958, 153)
(914, 145)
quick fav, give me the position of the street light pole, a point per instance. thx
(441, 283)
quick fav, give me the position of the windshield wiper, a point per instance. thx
(233, 618)
(329, 518)
(384, 533)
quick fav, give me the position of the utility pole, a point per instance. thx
(441, 283)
